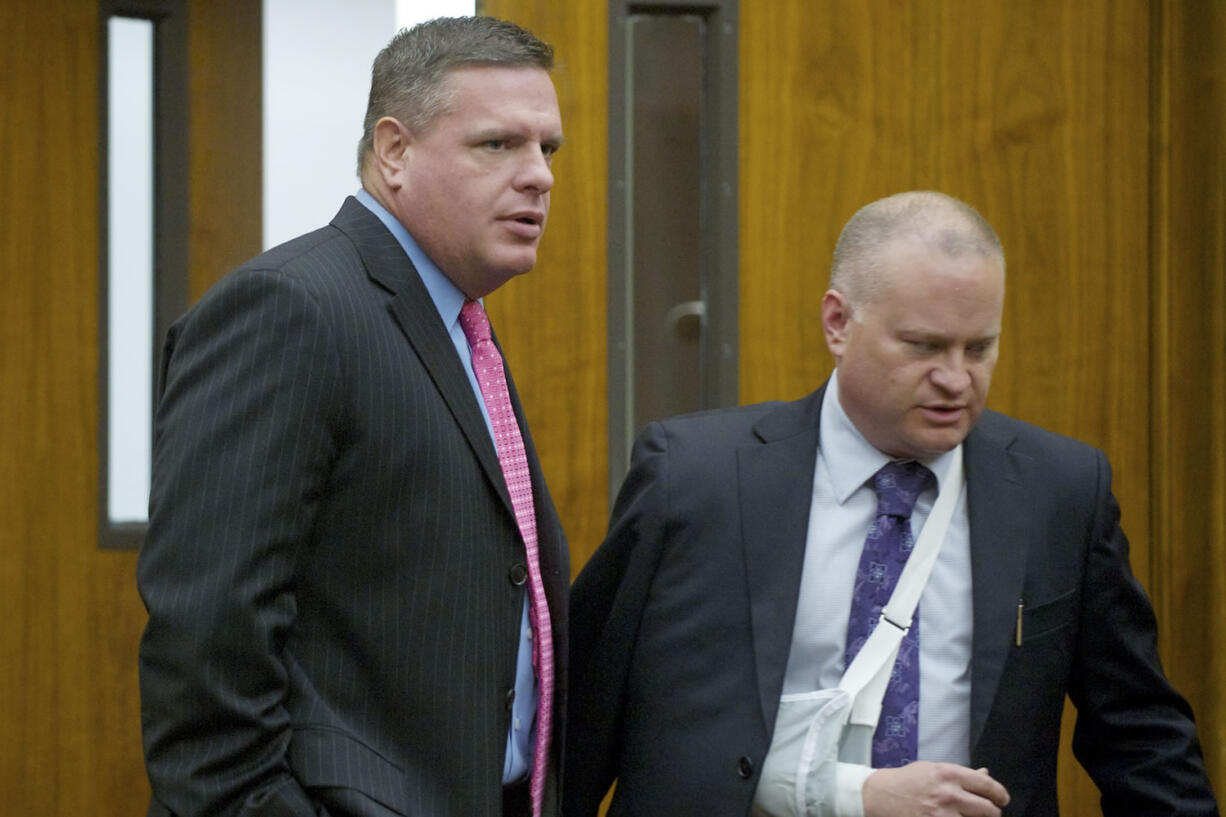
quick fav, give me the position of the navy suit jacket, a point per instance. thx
(682, 622)
(333, 573)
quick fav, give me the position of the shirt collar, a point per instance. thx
(446, 296)
(851, 460)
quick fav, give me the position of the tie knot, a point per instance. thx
(474, 322)
(898, 485)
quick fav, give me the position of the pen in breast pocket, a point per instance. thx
(1019, 623)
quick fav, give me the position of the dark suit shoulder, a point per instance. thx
(1022, 437)
(722, 423)
(321, 264)
(322, 249)
(293, 253)
(1067, 476)
(766, 421)
(327, 255)
(317, 255)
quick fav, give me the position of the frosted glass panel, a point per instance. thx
(130, 264)
(317, 57)
(412, 12)
(665, 95)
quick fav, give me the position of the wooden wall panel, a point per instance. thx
(227, 175)
(70, 616)
(68, 612)
(552, 322)
(1188, 430)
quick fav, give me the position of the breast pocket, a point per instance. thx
(1046, 619)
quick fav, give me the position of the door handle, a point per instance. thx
(678, 318)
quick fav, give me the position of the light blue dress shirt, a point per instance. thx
(842, 508)
(448, 300)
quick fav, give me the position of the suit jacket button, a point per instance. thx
(518, 574)
(744, 767)
(510, 698)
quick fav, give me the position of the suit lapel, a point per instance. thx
(775, 484)
(999, 506)
(413, 310)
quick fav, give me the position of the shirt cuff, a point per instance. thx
(848, 787)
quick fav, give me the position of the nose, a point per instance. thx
(951, 374)
(535, 175)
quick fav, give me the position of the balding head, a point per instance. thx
(940, 222)
(913, 320)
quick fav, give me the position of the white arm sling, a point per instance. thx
(816, 730)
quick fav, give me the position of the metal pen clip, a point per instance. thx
(904, 627)
(1019, 623)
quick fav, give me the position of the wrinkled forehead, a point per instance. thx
(907, 270)
(932, 255)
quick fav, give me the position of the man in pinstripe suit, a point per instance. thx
(334, 576)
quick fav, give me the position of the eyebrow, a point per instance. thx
(513, 134)
(929, 337)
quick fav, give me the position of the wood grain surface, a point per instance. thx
(70, 617)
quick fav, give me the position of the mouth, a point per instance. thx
(528, 224)
(943, 414)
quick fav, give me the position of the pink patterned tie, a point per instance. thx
(487, 365)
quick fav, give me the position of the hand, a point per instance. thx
(924, 789)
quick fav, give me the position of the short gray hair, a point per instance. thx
(939, 220)
(407, 78)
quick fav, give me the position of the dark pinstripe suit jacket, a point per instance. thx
(332, 619)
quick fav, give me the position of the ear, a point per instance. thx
(836, 318)
(391, 151)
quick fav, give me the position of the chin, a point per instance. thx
(945, 442)
(516, 264)
(930, 445)
(496, 276)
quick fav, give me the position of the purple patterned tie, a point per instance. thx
(487, 365)
(889, 543)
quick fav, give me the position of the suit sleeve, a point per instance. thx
(243, 437)
(606, 605)
(1134, 734)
